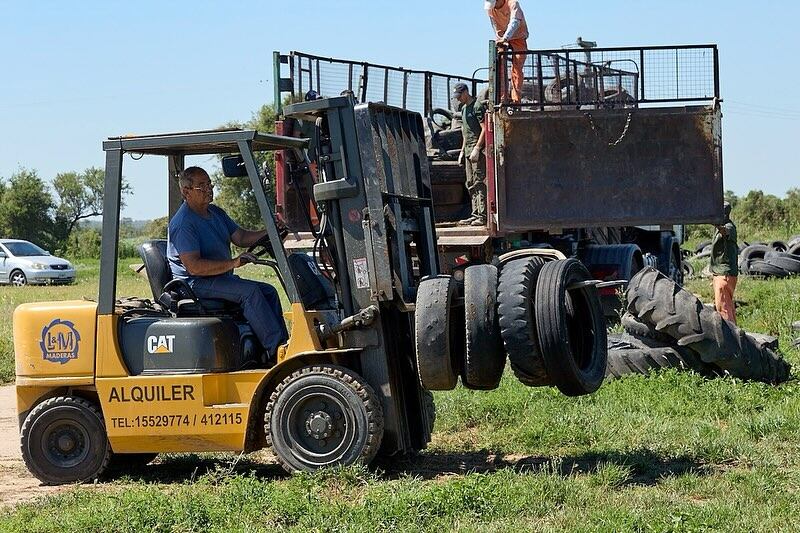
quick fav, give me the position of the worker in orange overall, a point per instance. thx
(511, 29)
(724, 266)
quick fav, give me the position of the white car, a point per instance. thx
(22, 263)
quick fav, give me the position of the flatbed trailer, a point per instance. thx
(608, 154)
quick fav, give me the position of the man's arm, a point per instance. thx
(244, 238)
(197, 266)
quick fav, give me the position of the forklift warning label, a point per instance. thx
(60, 341)
(152, 393)
(360, 272)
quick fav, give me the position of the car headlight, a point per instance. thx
(38, 266)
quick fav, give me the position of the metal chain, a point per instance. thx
(624, 131)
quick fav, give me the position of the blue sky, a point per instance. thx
(77, 72)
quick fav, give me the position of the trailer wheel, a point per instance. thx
(439, 335)
(322, 416)
(516, 293)
(631, 355)
(485, 359)
(63, 440)
(571, 328)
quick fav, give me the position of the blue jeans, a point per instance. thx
(259, 301)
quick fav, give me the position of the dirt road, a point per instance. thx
(16, 483)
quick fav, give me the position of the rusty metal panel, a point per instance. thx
(616, 167)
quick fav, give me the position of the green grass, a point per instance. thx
(669, 452)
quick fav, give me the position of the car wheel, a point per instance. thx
(18, 279)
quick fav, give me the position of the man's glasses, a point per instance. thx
(205, 188)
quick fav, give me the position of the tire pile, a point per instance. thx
(776, 259)
(666, 326)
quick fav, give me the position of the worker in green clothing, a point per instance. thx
(724, 266)
(471, 155)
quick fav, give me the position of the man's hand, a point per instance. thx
(461, 158)
(502, 43)
(475, 155)
(244, 259)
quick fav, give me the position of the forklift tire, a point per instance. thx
(485, 359)
(515, 296)
(63, 440)
(322, 416)
(439, 335)
(571, 328)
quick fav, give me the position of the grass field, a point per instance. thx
(669, 452)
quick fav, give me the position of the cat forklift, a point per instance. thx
(100, 382)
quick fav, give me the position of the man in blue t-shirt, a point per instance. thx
(199, 251)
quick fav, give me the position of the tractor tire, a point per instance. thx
(779, 246)
(322, 416)
(635, 327)
(571, 328)
(674, 311)
(788, 262)
(485, 359)
(628, 354)
(702, 246)
(794, 249)
(516, 293)
(439, 343)
(63, 440)
(754, 251)
(759, 267)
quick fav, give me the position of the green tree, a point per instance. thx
(26, 208)
(235, 195)
(156, 229)
(80, 196)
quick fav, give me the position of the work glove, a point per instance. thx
(461, 158)
(475, 155)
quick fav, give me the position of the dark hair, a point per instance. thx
(186, 179)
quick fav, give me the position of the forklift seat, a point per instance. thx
(175, 295)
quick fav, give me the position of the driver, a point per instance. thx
(199, 251)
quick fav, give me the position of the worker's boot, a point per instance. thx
(467, 221)
(478, 221)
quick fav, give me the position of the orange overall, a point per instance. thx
(518, 42)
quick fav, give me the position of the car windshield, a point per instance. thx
(23, 249)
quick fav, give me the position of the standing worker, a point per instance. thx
(509, 25)
(471, 155)
(725, 269)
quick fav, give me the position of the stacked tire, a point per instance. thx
(671, 327)
(546, 317)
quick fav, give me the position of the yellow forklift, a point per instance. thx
(373, 323)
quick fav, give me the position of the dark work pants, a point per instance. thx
(259, 301)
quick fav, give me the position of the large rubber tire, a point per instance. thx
(63, 440)
(674, 311)
(571, 328)
(794, 249)
(779, 246)
(629, 354)
(754, 251)
(688, 270)
(701, 246)
(516, 293)
(439, 343)
(635, 327)
(323, 416)
(788, 262)
(485, 359)
(758, 267)
(430, 408)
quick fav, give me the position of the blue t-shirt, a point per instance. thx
(190, 232)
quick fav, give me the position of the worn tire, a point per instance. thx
(516, 292)
(758, 267)
(779, 246)
(635, 327)
(794, 249)
(55, 431)
(484, 359)
(343, 406)
(628, 354)
(754, 251)
(788, 262)
(439, 356)
(688, 270)
(571, 328)
(674, 311)
(701, 246)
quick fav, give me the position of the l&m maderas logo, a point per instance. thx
(60, 341)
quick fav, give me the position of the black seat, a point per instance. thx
(175, 295)
(316, 291)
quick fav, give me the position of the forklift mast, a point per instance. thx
(374, 195)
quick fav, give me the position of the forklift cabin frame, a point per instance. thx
(175, 146)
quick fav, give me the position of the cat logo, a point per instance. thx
(160, 343)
